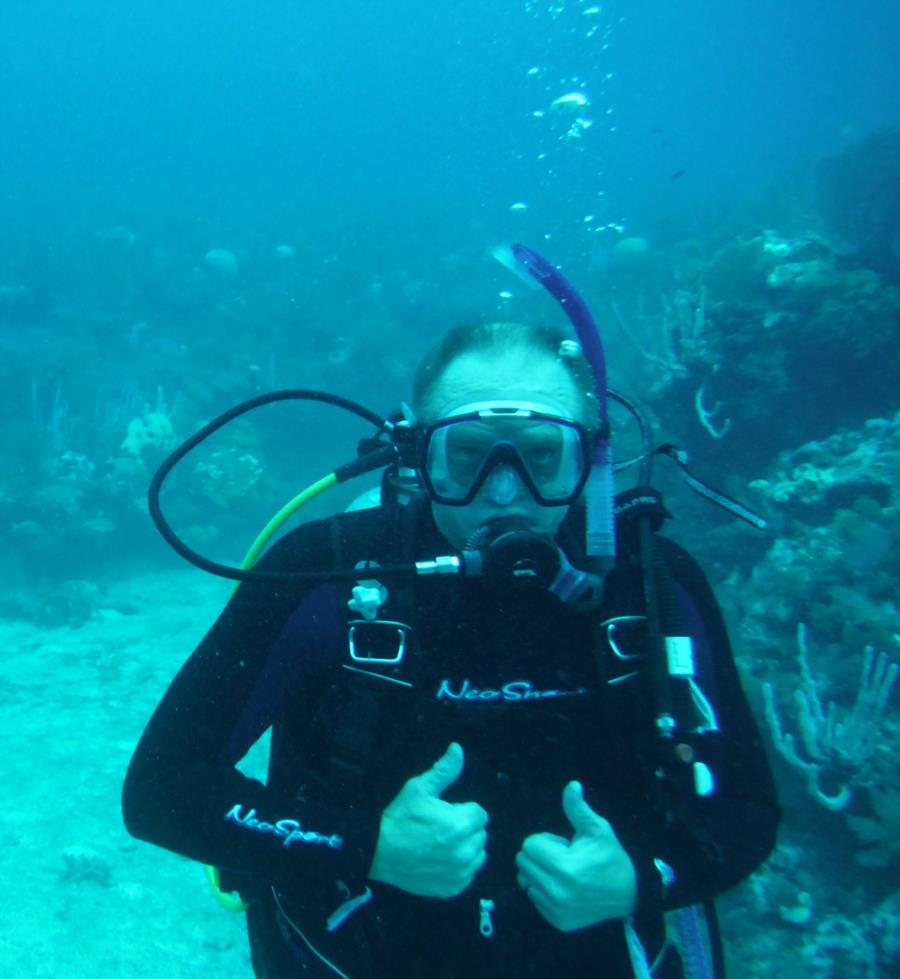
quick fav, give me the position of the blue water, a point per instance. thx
(411, 120)
(359, 161)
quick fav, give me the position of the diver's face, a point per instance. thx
(516, 376)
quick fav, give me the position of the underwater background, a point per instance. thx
(203, 202)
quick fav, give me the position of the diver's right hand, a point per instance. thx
(427, 846)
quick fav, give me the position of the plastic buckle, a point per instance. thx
(704, 780)
(485, 924)
(612, 630)
(377, 640)
(368, 597)
(680, 655)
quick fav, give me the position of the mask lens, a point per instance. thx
(552, 455)
(463, 452)
(468, 445)
(455, 456)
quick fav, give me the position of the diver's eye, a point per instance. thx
(465, 452)
(542, 454)
(545, 463)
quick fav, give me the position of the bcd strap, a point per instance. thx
(732, 506)
(677, 711)
(360, 717)
(676, 634)
(641, 501)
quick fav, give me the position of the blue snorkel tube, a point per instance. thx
(535, 271)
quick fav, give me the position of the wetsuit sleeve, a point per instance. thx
(704, 845)
(183, 791)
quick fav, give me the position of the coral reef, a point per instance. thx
(834, 565)
(837, 748)
(766, 348)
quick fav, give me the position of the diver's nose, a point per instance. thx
(503, 485)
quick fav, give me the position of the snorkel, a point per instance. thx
(535, 271)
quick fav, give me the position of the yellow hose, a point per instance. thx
(287, 511)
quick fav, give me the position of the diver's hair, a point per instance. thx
(504, 338)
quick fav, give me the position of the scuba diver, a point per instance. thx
(508, 737)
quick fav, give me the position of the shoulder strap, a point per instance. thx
(678, 647)
(310, 637)
(301, 649)
(363, 710)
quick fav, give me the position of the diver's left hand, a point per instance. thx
(578, 882)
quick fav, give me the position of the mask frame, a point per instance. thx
(502, 452)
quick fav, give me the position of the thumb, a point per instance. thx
(444, 772)
(584, 820)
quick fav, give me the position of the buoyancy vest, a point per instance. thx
(357, 745)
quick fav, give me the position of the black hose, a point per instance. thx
(369, 462)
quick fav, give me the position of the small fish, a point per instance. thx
(678, 174)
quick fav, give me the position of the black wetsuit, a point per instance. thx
(513, 678)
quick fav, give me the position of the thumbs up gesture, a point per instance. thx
(425, 845)
(582, 881)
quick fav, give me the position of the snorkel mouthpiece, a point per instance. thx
(527, 264)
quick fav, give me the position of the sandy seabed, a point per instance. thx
(82, 899)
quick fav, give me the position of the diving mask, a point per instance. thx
(550, 453)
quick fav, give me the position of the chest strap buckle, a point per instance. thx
(378, 640)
